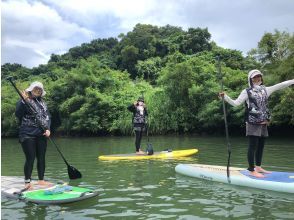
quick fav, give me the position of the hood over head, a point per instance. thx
(251, 74)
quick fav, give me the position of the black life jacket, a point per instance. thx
(41, 112)
(256, 110)
(139, 118)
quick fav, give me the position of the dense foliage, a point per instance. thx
(90, 87)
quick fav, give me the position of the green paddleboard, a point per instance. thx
(12, 187)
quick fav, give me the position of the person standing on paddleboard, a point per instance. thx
(139, 121)
(257, 116)
(32, 137)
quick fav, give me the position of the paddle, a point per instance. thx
(73, 173)
(149, 149)
(19, 193)
(225, 119)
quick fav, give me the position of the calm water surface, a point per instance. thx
(151, 189)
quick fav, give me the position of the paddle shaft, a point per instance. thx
(226, 123)
(33, 111)
(149, 149)
(147, 124)
(147, 131)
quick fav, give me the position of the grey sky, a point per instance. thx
(33, 30)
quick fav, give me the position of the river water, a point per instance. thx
(150, 189)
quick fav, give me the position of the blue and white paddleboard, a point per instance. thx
(275, 181)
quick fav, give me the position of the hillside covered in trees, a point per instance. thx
(89, 87)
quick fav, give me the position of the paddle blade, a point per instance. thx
(149, 149)
(73, 173)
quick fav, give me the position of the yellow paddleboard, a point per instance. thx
(156, 155)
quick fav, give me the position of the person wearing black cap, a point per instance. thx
(139, 121)
(31, 135)
(257, 117)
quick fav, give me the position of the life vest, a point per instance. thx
(41, 112)
(139, 116)
(256, 108)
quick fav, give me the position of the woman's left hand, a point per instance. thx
(47, 133)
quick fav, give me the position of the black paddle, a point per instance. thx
(73, 173)
(149, 149)
(226, 123)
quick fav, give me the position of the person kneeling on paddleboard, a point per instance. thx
(31, 136)
(257, 116)
(139, 121)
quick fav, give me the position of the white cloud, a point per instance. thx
(36, 28)
(239, 24)
(54, 26)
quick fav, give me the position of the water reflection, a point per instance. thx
(151, 189)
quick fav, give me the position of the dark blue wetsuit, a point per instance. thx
(31, 137)
(139, 121)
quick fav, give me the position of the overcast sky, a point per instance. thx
(32, 30)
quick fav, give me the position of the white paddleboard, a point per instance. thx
(275, 181)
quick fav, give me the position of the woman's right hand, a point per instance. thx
(221, 94)
(47, 133)
(25, 95)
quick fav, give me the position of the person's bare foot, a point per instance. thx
(140, 152)
(256, 174)
(44, 183)
(261, 170)
(28, 186)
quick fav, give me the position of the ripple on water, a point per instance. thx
(143, 194)
(160, 216)
(173, 210)
(160, 205)
(150, 186)
(129, 189)
(152, 189)
(127, 213)
(119, 199)
(165, 198)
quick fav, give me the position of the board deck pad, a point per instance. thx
(156, 155)
(284, 177)
(13, 187)
(275, 181)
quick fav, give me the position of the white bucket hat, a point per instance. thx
(36, 84)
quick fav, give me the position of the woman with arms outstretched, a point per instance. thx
(257, 117)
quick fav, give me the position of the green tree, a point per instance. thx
(273, 47)
(195, 40)
(89, 87)
(130, 55)
(17, 71)
(149, 69)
